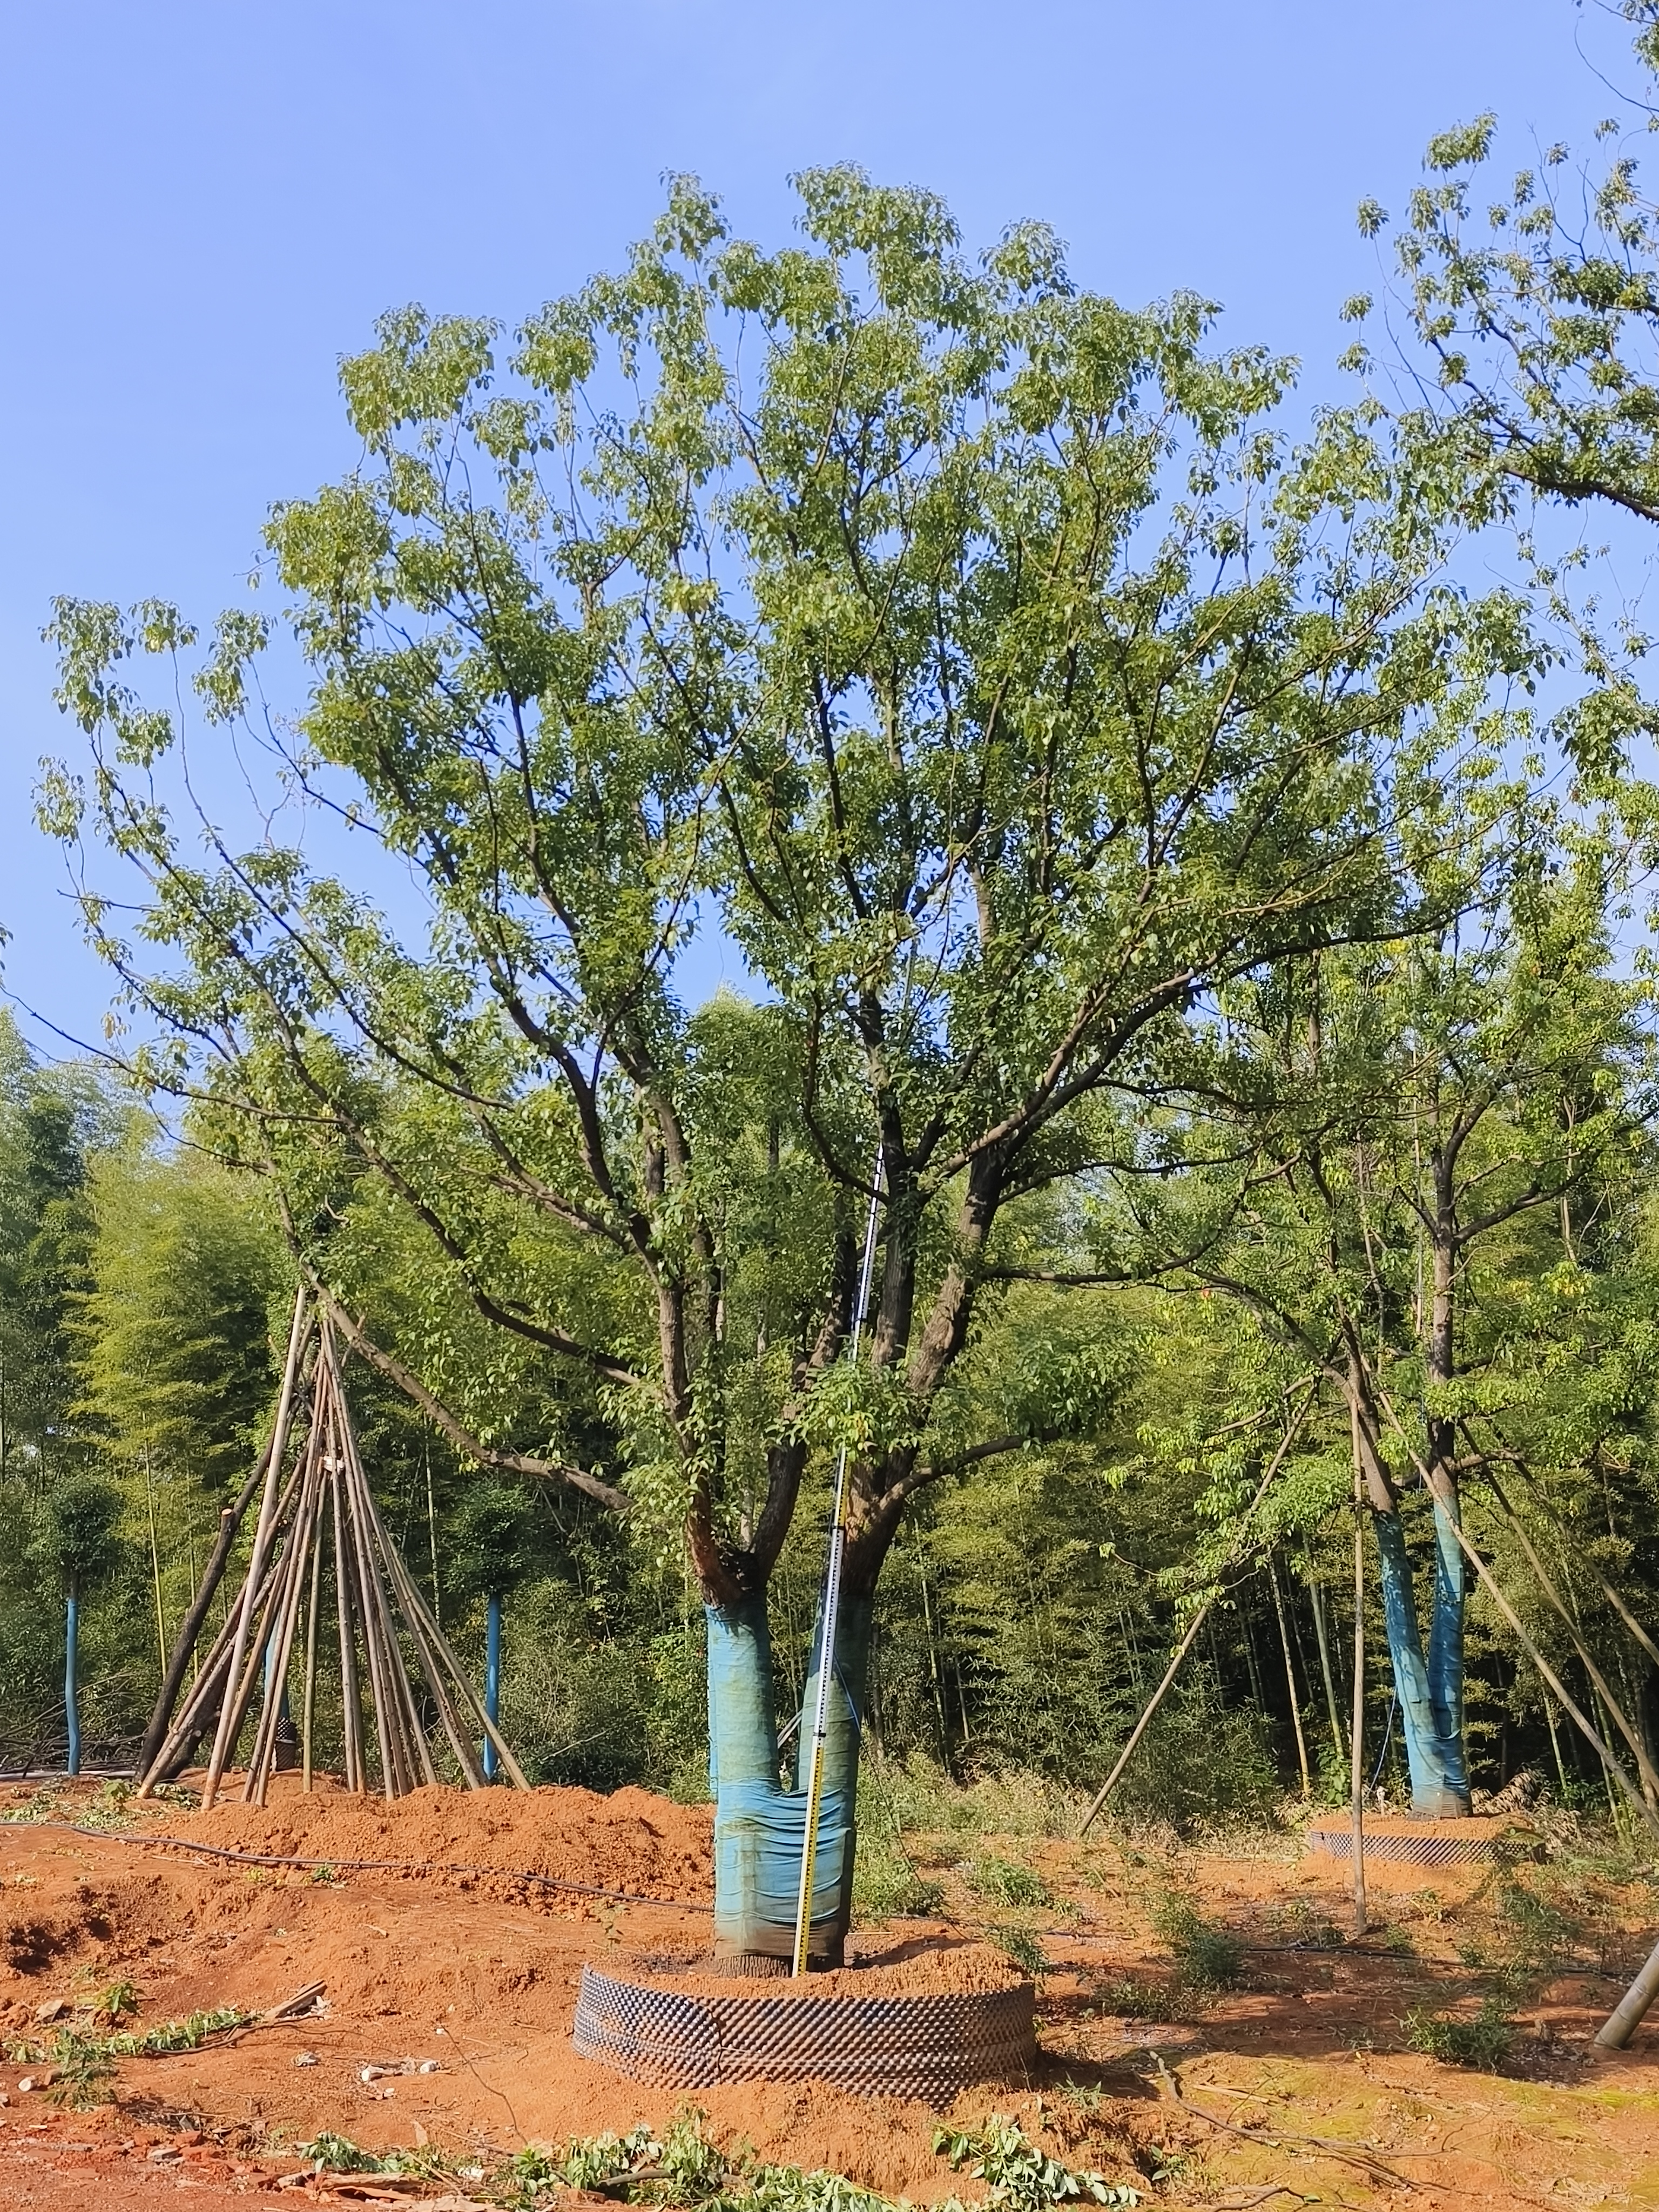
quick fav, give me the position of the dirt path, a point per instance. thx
(1296, 2083)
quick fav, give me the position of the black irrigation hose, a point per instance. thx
(371, 1866)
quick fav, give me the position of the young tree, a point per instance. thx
(493, 1551)
(77, 1538)
(969, 651)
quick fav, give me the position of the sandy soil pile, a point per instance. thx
(629, 1841)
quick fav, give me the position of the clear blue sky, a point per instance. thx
(207, 202)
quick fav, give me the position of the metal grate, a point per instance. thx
(927, 2045)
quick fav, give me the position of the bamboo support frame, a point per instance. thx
(389, 1641)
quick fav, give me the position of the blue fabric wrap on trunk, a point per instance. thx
(759, 1827)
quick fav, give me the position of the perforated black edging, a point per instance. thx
(923, 2045)
(1422, 1850)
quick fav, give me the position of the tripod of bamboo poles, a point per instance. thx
(323, 1505)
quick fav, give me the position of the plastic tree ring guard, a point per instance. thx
(928, 2044)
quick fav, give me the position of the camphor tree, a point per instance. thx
(1419, 1139)
(969, 651)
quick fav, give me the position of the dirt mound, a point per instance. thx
(904, 1971)
(630, 1841)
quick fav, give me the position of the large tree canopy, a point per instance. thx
(973, 653)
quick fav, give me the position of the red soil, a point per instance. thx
(1299, 2079)
(631, 1841)
(927, 1967)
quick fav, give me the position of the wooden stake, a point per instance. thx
(309, 1708)
(351, 1693)
(1289, 1679)
(1357, 1735)
(1199, 1617)
(190, 1629)
(225, 1735)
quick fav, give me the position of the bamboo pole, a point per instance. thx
(225, 1734)
(460, 1741)
(1356, 1734)
(394, 1773)
(309, 1707)
(416, 1750)
(1289, 1679)
(1614, 1764)
(406, 1596)
(1145, 1722)
(1198, 1619)
(190, 1628)
(207, 1690)
(1613, 1709)
(440, 1644)
(299, 1545)
(351, 1693)
(1316, 1596)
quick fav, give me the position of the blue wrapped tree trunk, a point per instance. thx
(759, 1825)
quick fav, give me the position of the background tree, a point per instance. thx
(77, 1539)
(493, 1550)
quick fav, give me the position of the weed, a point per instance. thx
(682, 2169)
(1202, 1763)
(1018, 2174)
(1129, 1997)
(117, 2001)
(81, 2072)
(1299, 1922)
(1209, 1957)
(1003, 1881)
(1541, 1932)
(1019, 1945)
(1484, 2042)
(887, 1887)
(923, 1797)
(42, 1806)
(1081, 2096)
(339, 2155)
(70, 2050)
(324, 1877)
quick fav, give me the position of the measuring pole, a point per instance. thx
(809, 1856)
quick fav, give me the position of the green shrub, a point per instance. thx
(1019, 1945)
(924, 1798)
(1484, 2042)
(1129, 1997)
(1208, 1958)
(1003, 1881)
(1202, 1763)
(1020, 2175)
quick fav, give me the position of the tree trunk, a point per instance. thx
(1432, 1724)
(759, 1825)
(1434, 1750)
(1450, 1789)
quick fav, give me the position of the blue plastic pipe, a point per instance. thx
(71, 1706)
(492, 1679)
